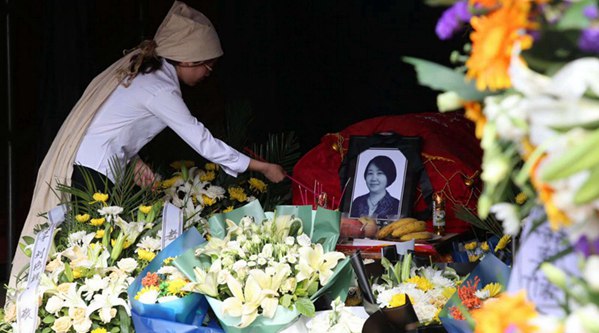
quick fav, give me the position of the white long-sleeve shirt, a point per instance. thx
(133, 116)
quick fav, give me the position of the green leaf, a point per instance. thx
(305, 307)
(125, 320)
(312, 288)
(285, 300)
(28, 240)
(47, 330)
(115, 330)
(26, 251)
(68, 272)
(48, 319)
(574, 17)
(443, 78)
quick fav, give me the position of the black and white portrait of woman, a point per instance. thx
(378, 185)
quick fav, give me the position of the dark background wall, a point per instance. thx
(312, 66)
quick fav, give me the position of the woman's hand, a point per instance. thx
(273, 172)
(144, 176)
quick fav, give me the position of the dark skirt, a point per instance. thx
(101, 182)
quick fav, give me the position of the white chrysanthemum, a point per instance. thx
(110, 210)
(149, 297)
(127, 264)
(149, 244)
(482, 294)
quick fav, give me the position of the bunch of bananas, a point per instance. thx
(405, 229)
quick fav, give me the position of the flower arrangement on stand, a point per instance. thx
(104, 242)
(528, 78)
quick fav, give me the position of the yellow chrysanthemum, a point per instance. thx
(177, 165)
(397, 300)
(100, 197)
(257, 185)
(78, 272)
(145, 254)
(100, 233)
(471, 246)
(97, 222)
(448, 292)
(484, 246)
(473, 258)
(169, 182)
(145, 290)
(475, 114)
(208, 201)
(211, 166)
(82, 218)
(228, 209)
(237, 193)
(513, 311)
(521, 198)
(145, 209)
(421, 283)
(493, 288)
(99, 330)
(493, 38)
(208, 176)
(503, 242)
(174, 287)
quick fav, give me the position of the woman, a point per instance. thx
(128, 104)
(379, 174)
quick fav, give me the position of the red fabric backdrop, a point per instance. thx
(451, 155)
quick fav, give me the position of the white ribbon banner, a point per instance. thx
(172, 223)
(27, 303)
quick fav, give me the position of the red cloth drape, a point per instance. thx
(451, 155)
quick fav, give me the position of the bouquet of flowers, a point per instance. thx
(201, 192)
(427, 288)
(531, 87)
(264, 274)
(483, 285)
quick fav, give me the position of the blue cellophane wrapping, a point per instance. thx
(182, 315)
(489, 270)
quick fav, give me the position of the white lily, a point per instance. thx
(314, 260)
(207, 282)
(108, 300)
(132, 230)
(245, 300)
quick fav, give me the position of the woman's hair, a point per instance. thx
(145, 61)
(386, 165)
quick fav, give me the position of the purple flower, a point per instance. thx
(591, 12)
(583, 246)
(589, 40)
(452, 19)
(586, 247)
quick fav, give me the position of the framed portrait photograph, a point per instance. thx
(378, 184)
(380, 175)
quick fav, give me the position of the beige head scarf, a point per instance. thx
(185, 35)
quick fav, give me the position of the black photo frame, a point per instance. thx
(415, 175)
